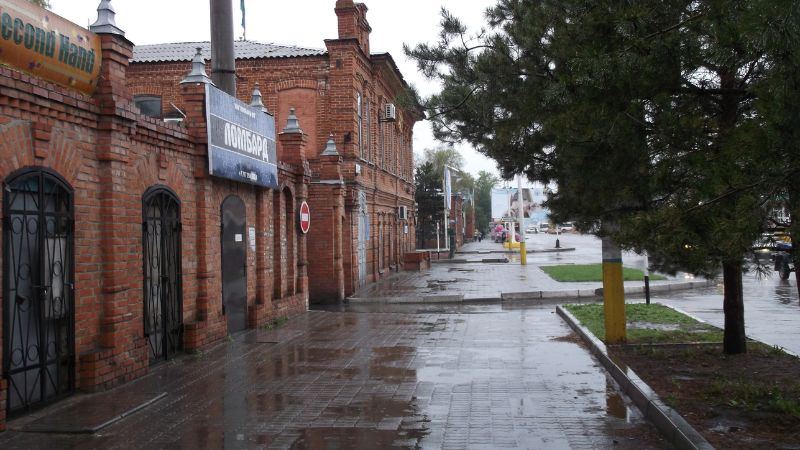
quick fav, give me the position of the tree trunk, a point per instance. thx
(734, 341)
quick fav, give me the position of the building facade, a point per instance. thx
(120, 250)
(347, 102)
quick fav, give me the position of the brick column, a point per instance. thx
(122, 347)
(209, 324)
(291, 151)
(263, 309)
(263, 253)
(327, 205)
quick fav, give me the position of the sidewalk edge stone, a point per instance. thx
(453, 298)
(525, 295)
(679, 432)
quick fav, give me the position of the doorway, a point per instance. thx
(38, 310)
(234, 264)
(363, 237)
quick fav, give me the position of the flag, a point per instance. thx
(243, 22)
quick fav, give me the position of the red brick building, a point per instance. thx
(362, 192)
(114, 233)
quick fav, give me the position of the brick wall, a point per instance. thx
(110, 155)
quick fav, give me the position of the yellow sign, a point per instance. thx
(48, 46)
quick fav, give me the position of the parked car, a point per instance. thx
(567, 227)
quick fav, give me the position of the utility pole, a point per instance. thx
(223, 66)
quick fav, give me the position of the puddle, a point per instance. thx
(439, 325)
(615, 405)
(334, 438)
(724, 425)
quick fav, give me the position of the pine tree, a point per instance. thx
(644, 114)
(483, 199)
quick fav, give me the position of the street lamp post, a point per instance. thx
(448, 194)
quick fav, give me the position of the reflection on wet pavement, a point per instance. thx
(455, 377)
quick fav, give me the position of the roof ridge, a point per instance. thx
(249, 49)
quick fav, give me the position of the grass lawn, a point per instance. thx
(648, 324)
(592, 272)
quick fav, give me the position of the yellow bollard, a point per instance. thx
(613, 293)
(523, 256)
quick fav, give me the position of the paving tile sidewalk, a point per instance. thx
(468, 378)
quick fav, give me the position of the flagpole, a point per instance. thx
(244, 28)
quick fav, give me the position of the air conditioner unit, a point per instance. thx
(402, 212)
(390, 112)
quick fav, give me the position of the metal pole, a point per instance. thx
(523, 255)
(223, 68)
(438, 248)
(646, 279)
(446, 226)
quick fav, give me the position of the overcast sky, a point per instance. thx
(305, 23)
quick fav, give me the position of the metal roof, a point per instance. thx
(185, 51)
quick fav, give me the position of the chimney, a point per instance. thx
(353, 23)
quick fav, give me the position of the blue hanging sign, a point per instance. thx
(241, 140)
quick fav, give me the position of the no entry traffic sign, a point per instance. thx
(305, 217)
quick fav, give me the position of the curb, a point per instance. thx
(637, 291)
(576, 295)
(674, 427)
(451, 298)
(541, 250)
(549, 295)
(470, 261)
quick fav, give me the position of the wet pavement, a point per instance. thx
(449, 376)
(469, 276)
(771, 309)
(482, 374)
